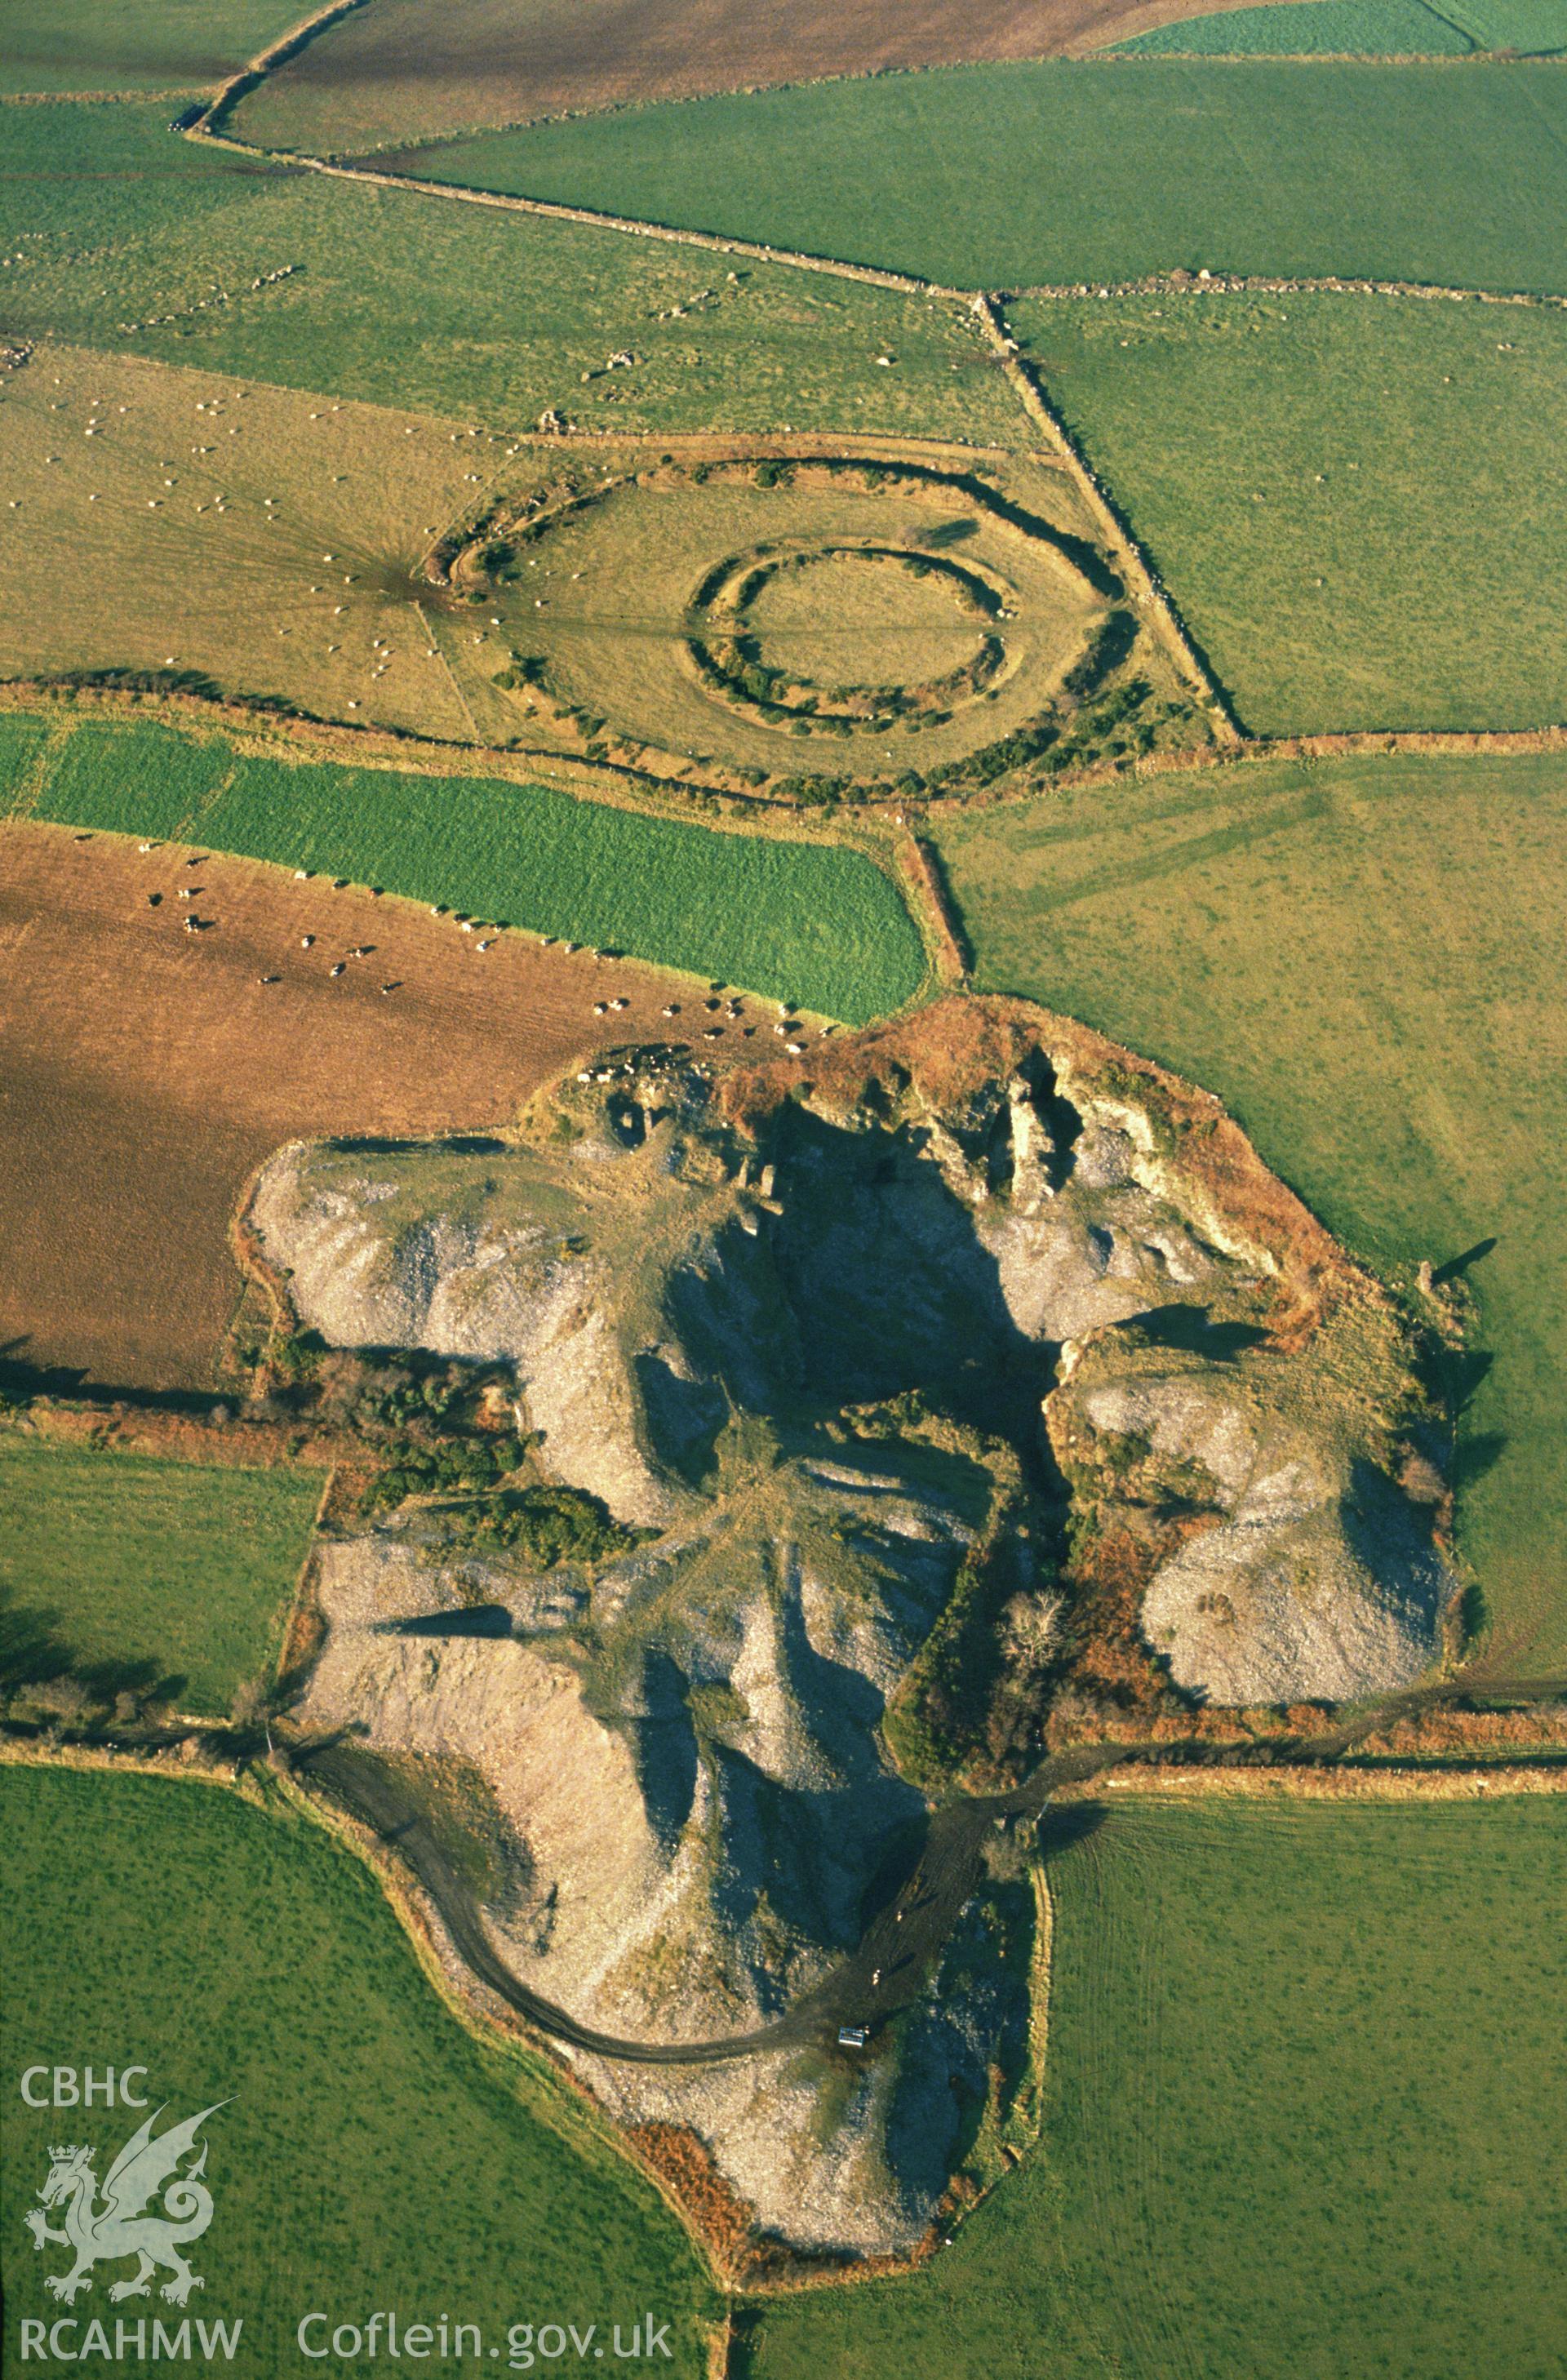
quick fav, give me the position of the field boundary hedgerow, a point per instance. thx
(736, 811)
(1144, 586)
(1148, 592)
(1432, 743)
(824, 917)
(277, 54)
(1206, 283)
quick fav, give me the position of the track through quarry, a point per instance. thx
(902, 1939)
(899, 1948)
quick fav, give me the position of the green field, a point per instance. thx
(408, 301)
(178, 1572)
(1360, 504)
(1304, 2064)
(804, 921)
(1360, 29)
(133, 45)
(1530, 25)
(1307, 29)
(370, 2154)
(1363, 959)
(1009, 177)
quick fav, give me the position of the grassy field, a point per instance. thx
(1304, 2064)
(453, 308)
(1361, 29)
(1363, 959)
(1008, 176)
(371, 2155)
(1307, 29)
(66, 45)
(820, 925)
(177, 1572)
(1360, 505)
(272, 542)
(162, 514)
(1529, 25)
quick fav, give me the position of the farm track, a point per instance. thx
(888, 1969)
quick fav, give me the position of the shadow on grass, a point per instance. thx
(1457, 1267)
(34, 1651)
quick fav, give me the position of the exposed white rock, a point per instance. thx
(685, 1743)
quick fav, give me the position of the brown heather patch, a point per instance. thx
(1435, 1733)
(717, 2214)
(1107, 1580)
(184, 1438)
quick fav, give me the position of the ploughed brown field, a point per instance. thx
(145, 1072)
(407, 69)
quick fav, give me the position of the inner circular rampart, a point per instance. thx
(855, 635)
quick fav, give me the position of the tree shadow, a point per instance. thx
(31, 1648)
(22, 1380)
(1474, 1457)
(144, 1678)
(474, 1619)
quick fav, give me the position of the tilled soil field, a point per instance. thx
(146, 1070)
(410, 69)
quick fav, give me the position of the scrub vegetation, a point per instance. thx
(1361, 958)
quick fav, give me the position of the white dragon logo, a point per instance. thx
(121, 2226)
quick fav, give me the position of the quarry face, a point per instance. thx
(883, 1360)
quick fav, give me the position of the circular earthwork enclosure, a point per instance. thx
(780, 615)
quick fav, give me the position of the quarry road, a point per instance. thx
(897, 1953)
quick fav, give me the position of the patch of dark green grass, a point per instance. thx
(370, 2152)
(1303, 2069)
